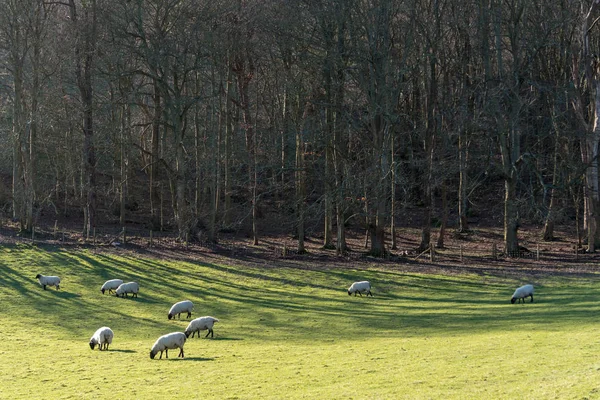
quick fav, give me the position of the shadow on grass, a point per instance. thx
(66, 295)
(216, 339)
(121, 351)
(195, 359)
(296, 300)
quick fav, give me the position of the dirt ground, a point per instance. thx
(462, 253)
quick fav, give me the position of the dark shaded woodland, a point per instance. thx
(298, 117)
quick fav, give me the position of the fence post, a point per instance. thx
(55, 228)
(431, 252)
(151, 237)
(124, 236)
(94, 240)
(461, 253)
(537, 252)
(32, 234)
(576, 252)
(494, 252)
(63, 236)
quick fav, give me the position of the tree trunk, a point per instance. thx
(393, 195)
(328, 200)
(444, 224)
(155, 158)
(548, 231)
(463, 200)
(227, 160)
(85, 49)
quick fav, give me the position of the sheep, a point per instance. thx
(200, 324)
(102, 337)
(172, 340)
(360, 288)
(129, 287)
(111, 285)
(48, 281)
(521, 293)
(182, 306)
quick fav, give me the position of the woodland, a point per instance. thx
(303, 118)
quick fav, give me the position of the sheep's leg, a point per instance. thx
(211, 333)
(44, 286)
(531, 299)
(57, 287)
(360, 294)
(166, 353)
(181, 353)
(369, 293)
(189, 315)
(160, 358)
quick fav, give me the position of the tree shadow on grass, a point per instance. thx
(66, 295)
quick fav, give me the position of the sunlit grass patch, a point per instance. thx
(292, 333)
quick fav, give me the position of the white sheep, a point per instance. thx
(170, 341)
(360, 288)
(129, 287)
(182, 306)
(111, 285)
(48, 281)
(521, 293)
(200, 324)
(102, 337)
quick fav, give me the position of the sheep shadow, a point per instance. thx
(177, 359)
(121, 351)
(196, 359)
(224, 339)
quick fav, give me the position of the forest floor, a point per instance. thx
(472, 252)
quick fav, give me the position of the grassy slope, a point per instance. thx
(288, 333)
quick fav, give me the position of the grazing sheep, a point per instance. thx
(360, 288)
(521, 293)
(111, 285)
(102, 337)
(129, 287)
(48, 281)
(170, 341)
(200, 324)
(182, 306)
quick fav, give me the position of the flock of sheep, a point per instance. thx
(103, 336)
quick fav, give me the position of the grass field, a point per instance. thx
(291, 333)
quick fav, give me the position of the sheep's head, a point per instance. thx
(102, 290)
(152, 355)
(187, 334)
(92, 344)
(170, 316)
(512, 300)
(38, 276)
(349, 293)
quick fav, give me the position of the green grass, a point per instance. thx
(291, 333)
